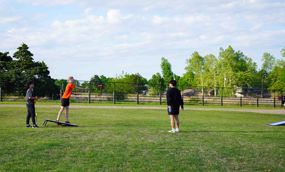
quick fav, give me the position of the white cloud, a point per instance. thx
(263, 38)
(114, 16)
(189, 19)
(12, 19)
(157, 20)
(47, 2)
(108, 34)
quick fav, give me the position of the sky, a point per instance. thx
(87, 37)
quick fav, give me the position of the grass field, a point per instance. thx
(137, 140)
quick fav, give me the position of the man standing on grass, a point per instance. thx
(174, 102)
(30, 103)
(65, 99)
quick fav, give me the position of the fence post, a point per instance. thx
(160, 94)
(138, 98)
(89, 96)
(1, 97)
(282, 96)
(257, 102)
(240, 101)
(274, 100)
(222, 101)
(203, 98)
(160, 98)
(138, 93)
(114, 95)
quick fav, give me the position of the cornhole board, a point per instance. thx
(59, 123)
(278, 123)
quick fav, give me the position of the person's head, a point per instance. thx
(172, 83)
(31, 84)
(70, 79)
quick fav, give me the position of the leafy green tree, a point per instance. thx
(246, 72)
(186, 81)
(211, 72)
(6, 83)
(85, 85)
(24, 69)
(156, 84)
(166, 70)
(268, 62)
(128, 84)
(61, 83)
(136, 82)
(196, 64)
(177, 79)
(262, 78)
(227, 64)
(98, 84)
(283, 52)
(276, 77)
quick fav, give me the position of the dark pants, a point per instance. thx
(31, 113)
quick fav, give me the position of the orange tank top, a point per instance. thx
(68, 91)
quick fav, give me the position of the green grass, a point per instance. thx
(137, 140)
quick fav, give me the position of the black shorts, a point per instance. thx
(173, 110)
(64, 102)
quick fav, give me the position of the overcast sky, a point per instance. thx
(83, 38)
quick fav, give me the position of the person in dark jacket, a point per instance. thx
(174, 102)
(30, 103)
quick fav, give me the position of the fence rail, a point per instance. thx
(192, 96)
(189, 100)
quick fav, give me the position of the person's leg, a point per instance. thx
(177, 123)
(60, 112)
(28, 116)
(172, 123)
(66, 113)
(33, 114)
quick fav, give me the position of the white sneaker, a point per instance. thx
(171, 131)
(177, 130)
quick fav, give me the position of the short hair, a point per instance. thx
(70, 77)
(173, 82)
(29, 83)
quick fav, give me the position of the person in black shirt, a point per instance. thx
(174, 102)
(30, 103)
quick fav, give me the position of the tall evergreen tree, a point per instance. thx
(25, 69)
(6, 83)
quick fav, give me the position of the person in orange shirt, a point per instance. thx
(65, 99)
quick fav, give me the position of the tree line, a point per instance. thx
(230, 69)
(17, 70)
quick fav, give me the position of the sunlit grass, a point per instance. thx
(137, 140)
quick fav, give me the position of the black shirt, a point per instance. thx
(174, 97)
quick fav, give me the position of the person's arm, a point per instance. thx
(168, 98)
(181, 101)
(72, 87)
(30, 95)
